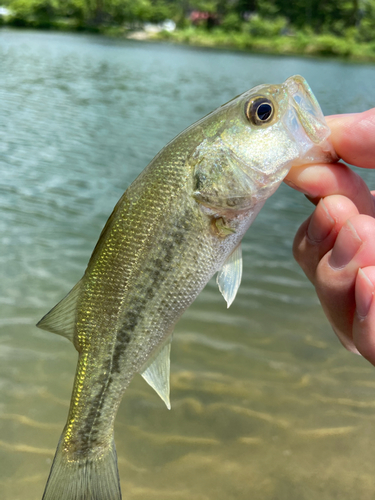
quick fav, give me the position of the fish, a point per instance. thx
(180, 222)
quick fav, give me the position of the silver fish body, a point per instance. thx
(180, 222)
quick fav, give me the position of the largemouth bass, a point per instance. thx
(180, 222)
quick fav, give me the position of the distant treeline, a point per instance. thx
(240, 22)
(320, 16)
(93, 12)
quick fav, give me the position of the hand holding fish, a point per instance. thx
(335, 245)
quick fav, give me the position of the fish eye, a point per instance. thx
(259, 110)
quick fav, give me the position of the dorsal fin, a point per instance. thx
(157, 372)
(229, 276)
(62, 318)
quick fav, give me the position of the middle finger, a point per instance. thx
(318, 233)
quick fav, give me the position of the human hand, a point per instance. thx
(335, 246)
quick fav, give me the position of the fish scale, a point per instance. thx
(142, 320)
(180, 221)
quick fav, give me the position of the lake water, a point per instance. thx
(266, 404)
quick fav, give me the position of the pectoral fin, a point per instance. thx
(229, 276)
(157, 372)
(62, 318)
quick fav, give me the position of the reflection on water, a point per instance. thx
(265, 403)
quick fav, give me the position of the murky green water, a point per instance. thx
(266, 405)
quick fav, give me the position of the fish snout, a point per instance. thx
(305, 121)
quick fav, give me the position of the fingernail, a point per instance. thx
(364, 293)
(346, 246)
(319, 230)
(346, 342)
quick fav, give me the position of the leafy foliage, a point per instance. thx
(334, 27)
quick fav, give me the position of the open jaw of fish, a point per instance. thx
(180, 222)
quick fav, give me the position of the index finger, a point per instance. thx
(353, 137)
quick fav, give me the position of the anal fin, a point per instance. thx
(229, 276)
(157, 372)
(61, 319)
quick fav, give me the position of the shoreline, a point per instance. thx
(301, 44)
(322, 46)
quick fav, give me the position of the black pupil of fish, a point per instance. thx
(264, 111)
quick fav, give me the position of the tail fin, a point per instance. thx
(84, 479)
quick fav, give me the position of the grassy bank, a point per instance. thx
(300, 43)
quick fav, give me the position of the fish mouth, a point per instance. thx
(305, 121)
